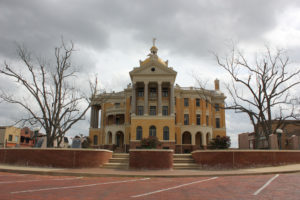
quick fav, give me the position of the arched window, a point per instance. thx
(166, 133)
(95, 140)
(152, 131)
(139, 133)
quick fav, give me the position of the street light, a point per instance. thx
(279, 133)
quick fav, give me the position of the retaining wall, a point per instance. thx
(65, 158)
(150, 159)
(245, 158)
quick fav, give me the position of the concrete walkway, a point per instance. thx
(98, 172)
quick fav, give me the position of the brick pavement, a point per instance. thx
(25, 186)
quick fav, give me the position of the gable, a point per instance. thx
(153, 68)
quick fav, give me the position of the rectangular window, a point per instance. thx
(198, 117)
(118, 120)
(26, 132)
(165, 92)
(152, 110)
(165, 110)
(153, 93)
(140, 92)
(217, 107)
(117, 105)
(16, 138)
(140, 110)
(218, 123)
(198, 102)
(207, 120)
(186, 102)
(10, 137)
(186, 119)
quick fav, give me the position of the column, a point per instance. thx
(133, 99)
(159, 99)
(203, 135)
(97, 117)
(172, 99)
(146, 97)
(92, 117)
(113, 139)
(193, 139)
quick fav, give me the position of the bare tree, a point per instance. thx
(261, 88)
(55, 103)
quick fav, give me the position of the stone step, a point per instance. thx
(115, 166)
(185, 166)
(120, 155)
(118, 160)
(182, 155)
(183, 160)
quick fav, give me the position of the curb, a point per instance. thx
(83, 174)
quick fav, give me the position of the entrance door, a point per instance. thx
(120, 139)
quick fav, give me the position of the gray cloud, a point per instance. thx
(186, 30)
(189, 27)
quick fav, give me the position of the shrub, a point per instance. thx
(150, 143)
(220, 142)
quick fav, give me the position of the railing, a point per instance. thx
(115, 110)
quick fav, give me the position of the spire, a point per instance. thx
(154, 49)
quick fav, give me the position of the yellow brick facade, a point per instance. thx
(188, 117)
(10, 136)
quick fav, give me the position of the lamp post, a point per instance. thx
(279, 134)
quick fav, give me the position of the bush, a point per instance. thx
(150, 143)
(220, 142)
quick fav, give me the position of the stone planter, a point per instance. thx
(245, 158)
(151, 159)
(65, 158)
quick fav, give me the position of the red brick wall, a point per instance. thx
(150, 159)
(137, 144)
(66, 158)
(240, 159)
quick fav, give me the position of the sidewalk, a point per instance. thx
(98, 172)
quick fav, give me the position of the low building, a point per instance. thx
(182, 118)
(288, 139)
(27, 137)
(9, 136)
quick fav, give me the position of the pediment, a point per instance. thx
(153, 68)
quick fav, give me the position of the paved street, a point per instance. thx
(27, 186)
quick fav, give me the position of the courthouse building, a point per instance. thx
(182, 118)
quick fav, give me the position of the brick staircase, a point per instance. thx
(180, 161)
(184, 161)
(118, 161)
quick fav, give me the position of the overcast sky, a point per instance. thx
(112, 36)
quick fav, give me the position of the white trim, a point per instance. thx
(266, 184)
(77, 186)
(171, 188)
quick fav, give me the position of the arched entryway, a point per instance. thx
(186, 138)
(198, 139)
(119, 139)
(109, 135)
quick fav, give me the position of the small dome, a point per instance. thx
(154, 50)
